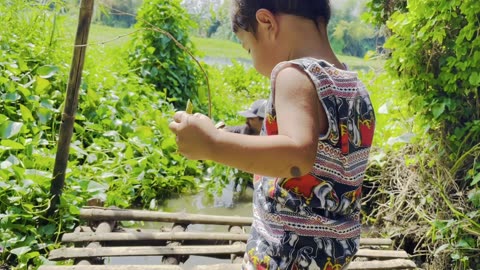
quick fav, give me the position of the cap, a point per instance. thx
(257, 109)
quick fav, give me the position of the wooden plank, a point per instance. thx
(382, 254)
(368, 265)
(381, 265)
(111, 267)
(376, 242)
(155, 236)
(171, 236)
(68, 253)
(95, 213)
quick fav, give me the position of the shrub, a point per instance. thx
(157, 58)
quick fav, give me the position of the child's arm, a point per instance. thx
(301, 120)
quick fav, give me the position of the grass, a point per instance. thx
(220, 48)
(115, 38)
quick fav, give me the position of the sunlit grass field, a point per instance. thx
(115, 38)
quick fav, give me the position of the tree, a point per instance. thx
(349, 34)
(204, 14)
(118, 13)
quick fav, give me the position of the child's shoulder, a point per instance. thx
(317, 66)
(313, 69)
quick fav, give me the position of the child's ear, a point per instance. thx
(267, 21)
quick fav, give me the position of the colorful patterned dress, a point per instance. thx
(313, 221)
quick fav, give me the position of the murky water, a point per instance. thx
(224, 61)
(230, 203)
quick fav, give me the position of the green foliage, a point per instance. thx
(220, 48)
(349, 35)
(157, 58)
(29, 106)
(235, 87)
(394, 125)
(435, 62)
(207, 15)
(122, 151)
(353, 38)
(118, 13)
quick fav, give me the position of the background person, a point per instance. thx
(254, 119)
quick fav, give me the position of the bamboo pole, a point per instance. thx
(111, 267)
(398, 264)
(71, 104)
(143, 215)
(132, 235)
(65, 253)
(151, 236)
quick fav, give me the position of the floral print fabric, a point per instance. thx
(313, 221)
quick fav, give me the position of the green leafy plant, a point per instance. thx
(434, 61)
(158, 59)
(121, 152)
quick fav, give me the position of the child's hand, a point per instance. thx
(195, 134)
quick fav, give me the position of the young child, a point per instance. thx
(318, 129)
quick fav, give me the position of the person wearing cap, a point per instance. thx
(254, 119)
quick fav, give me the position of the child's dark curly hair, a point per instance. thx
(243, 16)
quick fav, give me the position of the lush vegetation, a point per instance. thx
(434, 64)
(157, 58)
(122, 152)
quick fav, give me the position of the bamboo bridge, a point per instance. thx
(88, 246)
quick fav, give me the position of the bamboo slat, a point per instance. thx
(111, 267)
(375, 242)
(68, 253)
(382, 265)
(144, 236)
(171, 236)
(368, 265)
(143, 215)
(382, 254)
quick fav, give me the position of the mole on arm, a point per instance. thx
(295, 171)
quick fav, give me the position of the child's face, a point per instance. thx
(263, 50)
(256, 48)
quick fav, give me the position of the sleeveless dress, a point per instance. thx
(313, 221)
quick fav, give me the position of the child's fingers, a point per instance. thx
(178, 119)
(174, 126)
(180, 116)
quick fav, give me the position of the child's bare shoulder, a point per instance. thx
(293, 80)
